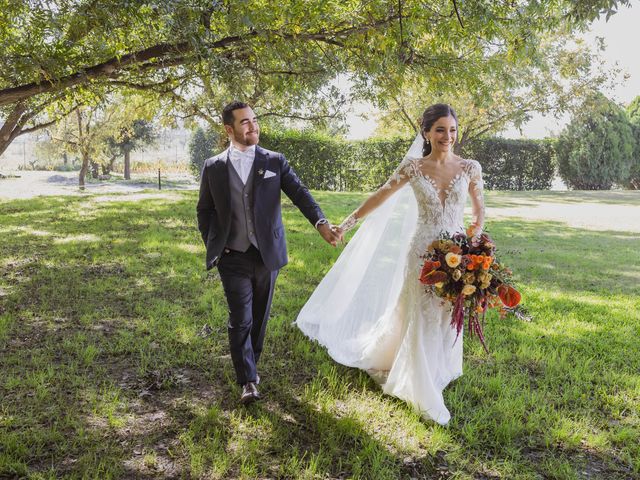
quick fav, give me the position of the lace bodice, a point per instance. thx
(440, 211)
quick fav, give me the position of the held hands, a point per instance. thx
(330, 233)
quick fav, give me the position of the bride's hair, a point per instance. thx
(431, 116)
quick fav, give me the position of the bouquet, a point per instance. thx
(463, 269)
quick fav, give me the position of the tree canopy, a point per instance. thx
(192, 56)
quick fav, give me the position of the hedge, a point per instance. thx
(509, 164)
(327, 163)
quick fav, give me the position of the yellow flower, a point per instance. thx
(468, 289)
(439, 284)
(484, 277)
(469, 278)
(453, 259)
(456, 274)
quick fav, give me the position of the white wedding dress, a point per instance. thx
(372, 312)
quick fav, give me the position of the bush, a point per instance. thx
(596, 149)
(203, 145)
(510, 164)
(633, 112)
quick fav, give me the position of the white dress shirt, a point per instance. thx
(242, 161)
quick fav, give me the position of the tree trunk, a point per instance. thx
(108, 168)
(127, 165)
(95, 169)
(11, 127)
(83, 170)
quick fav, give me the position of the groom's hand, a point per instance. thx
(338, 231)
(330, 236)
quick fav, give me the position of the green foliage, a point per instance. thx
(327, 163)
(555, 79)
(509, 164)
(202, 145)
(135, 135)
(280, 56)
(633, 111)
(596, 149)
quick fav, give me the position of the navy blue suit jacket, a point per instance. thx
(213, 209)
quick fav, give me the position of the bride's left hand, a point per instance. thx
(329, 235)
(339, 232)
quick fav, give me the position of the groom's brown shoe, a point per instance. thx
(249, 393)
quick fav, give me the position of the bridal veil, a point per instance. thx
(364, 284)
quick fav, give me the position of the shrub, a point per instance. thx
(326, 163)
(596, 149)
(633, 112)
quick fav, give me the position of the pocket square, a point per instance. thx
(269, 174)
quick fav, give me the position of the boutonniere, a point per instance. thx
(261, 172)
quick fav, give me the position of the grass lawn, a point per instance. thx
(106, 370)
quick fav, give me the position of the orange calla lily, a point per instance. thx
(428, 268)
(509, 296)
(433, 277)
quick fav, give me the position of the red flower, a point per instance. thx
(432, 277)
(509, 295)
(455, 249)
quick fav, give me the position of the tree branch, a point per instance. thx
(455, 6)
(404, 113)
(298, 117)
(165, 55)
(37, 127)
(108, 69)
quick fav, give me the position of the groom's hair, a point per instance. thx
(227, 112)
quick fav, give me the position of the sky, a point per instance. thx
(622, 39)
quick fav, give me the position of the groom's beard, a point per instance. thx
(246, 138)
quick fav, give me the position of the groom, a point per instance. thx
(239, 217)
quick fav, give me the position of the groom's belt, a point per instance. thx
(231, 250)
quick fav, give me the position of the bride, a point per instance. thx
(371, 311)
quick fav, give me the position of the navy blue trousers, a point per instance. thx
(248, 286)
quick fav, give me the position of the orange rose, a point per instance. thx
(486, 263)
(471, 230)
